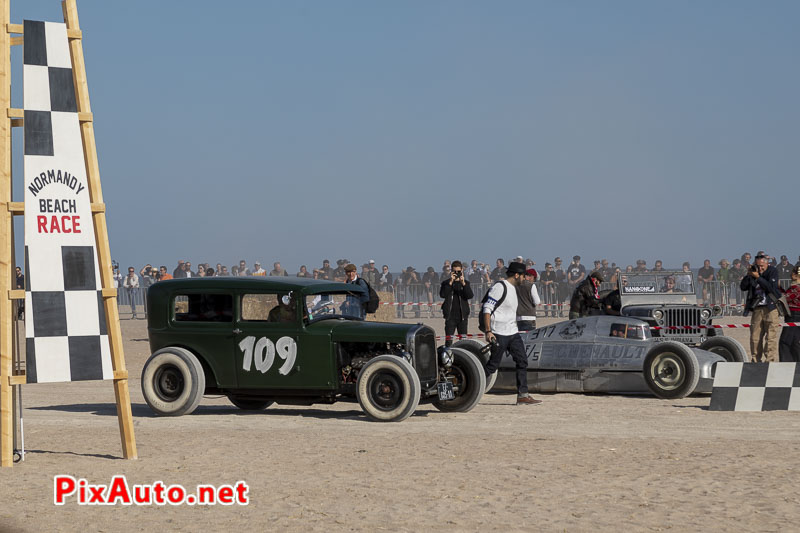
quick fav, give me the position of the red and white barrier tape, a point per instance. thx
(712, 326)
(437, 304)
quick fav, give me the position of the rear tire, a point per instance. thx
(173, 382)
(249, 404)
(388, 389)
(475, 348)
(468, 379)
(730, 349)
(671, 370)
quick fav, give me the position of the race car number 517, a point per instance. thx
(263, 353)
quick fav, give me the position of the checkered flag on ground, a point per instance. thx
(65, 329)
(756, 387)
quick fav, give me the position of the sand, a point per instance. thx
(574, 463)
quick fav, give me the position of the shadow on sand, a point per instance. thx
(143, 411)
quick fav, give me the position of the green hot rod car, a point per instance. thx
(294, 341)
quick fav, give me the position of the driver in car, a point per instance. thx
(669, 285)
(285, 311)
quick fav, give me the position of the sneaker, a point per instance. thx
(527, 400)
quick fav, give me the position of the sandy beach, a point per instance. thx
(574, 463)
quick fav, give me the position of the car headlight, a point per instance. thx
(658, 314)
(446, 356)
(705, 314)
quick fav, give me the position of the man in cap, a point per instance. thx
(354, 304)
(499, 315)
(371, 274)
(576, 273)
(586, 296)
(257, 270)
(339, 273)
(785, 270)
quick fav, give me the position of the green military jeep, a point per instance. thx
(294, 341)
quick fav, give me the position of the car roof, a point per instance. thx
(262, 283)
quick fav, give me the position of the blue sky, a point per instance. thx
(410, 132)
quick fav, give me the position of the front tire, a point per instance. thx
(173, 382)
(388, 389)
(671, 370)
(469, 380)
(729, 349)
(475, 348)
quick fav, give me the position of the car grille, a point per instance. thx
(689, 316)
(425, 356)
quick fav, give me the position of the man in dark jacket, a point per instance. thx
(586, 296)
(456, 292)
(761, 286)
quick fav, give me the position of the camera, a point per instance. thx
(754, 268)
(457, 275)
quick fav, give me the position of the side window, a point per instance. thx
(204, 308)
(626, 331)
(277, 307)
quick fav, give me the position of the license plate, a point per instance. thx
(446, 391)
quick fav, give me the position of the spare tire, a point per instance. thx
(671, 370)
(475, 348)
(729, 349)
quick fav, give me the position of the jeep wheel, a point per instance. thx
(671, 370)
(173, 382)
(388, 388)
(729, 349)
(248, 404)
(469, 382)
(475, 348)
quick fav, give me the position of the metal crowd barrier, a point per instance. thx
(132, 301)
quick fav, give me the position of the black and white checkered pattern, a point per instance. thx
(756, 387)
(65, 329)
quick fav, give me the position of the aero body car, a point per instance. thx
(260, 341)
(625, 354)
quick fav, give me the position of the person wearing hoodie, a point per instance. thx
(761, 286)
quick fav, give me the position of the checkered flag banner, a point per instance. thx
(65, 329)
(756, 387)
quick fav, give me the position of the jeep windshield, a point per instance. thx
(652, 283)
(333, 305)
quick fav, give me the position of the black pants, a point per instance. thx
(514, 345)
(789, 343)
(451, 324)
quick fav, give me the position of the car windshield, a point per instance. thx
(673, 283)
(333, 305)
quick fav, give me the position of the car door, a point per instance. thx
(271, 350)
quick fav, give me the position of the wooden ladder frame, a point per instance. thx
(14, 117)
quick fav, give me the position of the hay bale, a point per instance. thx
(385, 313)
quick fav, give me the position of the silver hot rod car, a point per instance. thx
(607, 353)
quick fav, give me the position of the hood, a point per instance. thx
(358, 331)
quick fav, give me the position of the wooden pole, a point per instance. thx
(6, 239)
(121, 390)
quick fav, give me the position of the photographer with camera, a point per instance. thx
(761, 286)
(456, 292)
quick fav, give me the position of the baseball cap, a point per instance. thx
(576, 258)
(371, 261)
